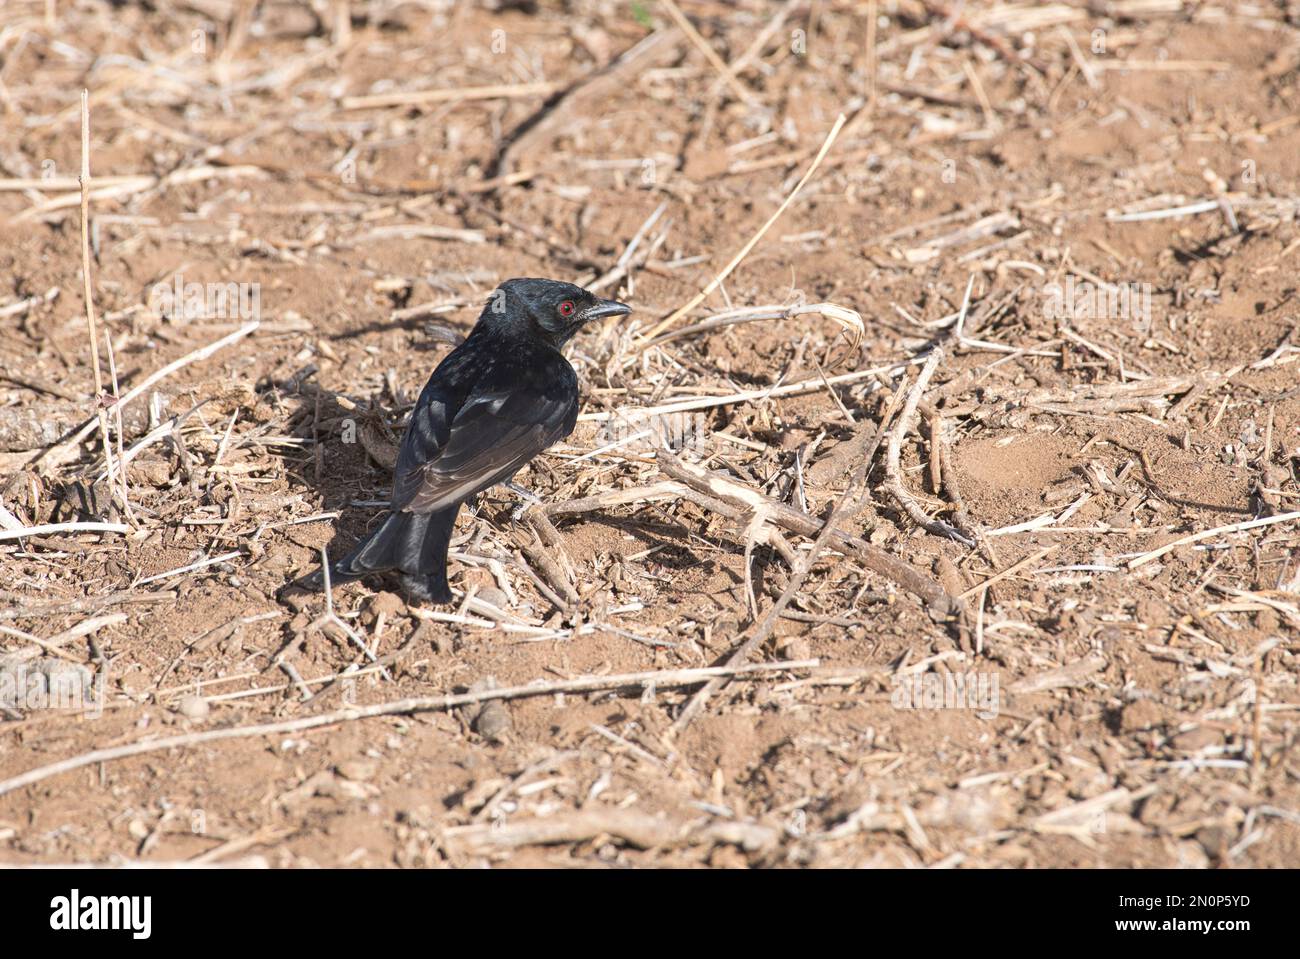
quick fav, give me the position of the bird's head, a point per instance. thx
(556, 310)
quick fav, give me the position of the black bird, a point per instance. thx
(493, 403)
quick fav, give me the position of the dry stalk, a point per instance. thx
(744, 499)
(100, 409)
(659, 679)
(672, 318)
(893, 471)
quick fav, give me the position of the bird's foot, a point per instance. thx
(529, 499)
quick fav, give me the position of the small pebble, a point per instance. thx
(358, 770)
(490, 594)
(492, 719)
(193, 707)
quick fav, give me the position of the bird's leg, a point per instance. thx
(529, 499)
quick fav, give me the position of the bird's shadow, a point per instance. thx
(347, 437)
(353, 442)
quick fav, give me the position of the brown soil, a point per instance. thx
(1146, 716)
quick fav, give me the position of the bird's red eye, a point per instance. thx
(567, 308)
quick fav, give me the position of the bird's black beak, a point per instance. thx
(603, 308)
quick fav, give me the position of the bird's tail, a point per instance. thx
(415, 544)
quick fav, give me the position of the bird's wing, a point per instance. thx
(495, 432)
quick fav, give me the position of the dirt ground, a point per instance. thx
(1078, 221)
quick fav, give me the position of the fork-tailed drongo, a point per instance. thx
(492, 404)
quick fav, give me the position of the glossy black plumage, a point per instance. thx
(496, 401)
